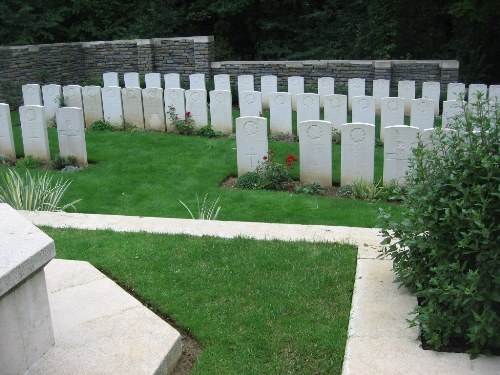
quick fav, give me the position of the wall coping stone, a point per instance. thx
(24, 248)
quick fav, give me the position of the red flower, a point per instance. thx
(290, 158)
(265, 158)
(188, 114)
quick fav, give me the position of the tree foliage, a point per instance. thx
(285, 29)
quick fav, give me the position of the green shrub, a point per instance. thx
(206, 131)
(310, 189)
(250, 181)
(33, 192)
(28, 162)
(336, 137)
(184, 127)
(445, 249)
(101, 125)
(59, 162)
(359, 189)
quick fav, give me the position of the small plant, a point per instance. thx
(60, 101)
(206, 131)
(336, 137)
(59, 162)
(28, 162)
(184, 127)
(206, 211)
(101, 125)
(359, 189)
(33, 192)
(391, 192)
(4, 160)
(129, 127)
(249, 181)
(310, 189)
(379, 143)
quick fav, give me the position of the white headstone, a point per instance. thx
(474, 90)
(245, 83)
(452, 111)
(132, 80)
(251, 143)
(392, 113)
(251, 103)
(154, 111)
(197, 81)
(381, 89)
(494, 94)
(7, 146)
(268, 84)
(196, 106)
(357, 155)
(422, 113)
(153, 80)
(295, 86)
(326, 86)
(222, 82)
(398, 144)
(71, 134)
(280, 104)
(52, 96)
(432, 90)
(363, 109)
(172, 81)
(307, 107)
(406, 90)
(132, 107)
(455, 91)
(355, 87)
(425, 136)
(110, 79)
(336, 110)
(315, 145)
(73, 96)
(34, 132)
(92, 104)
(112, 105)
(32, 94)
(174, 98)
(221, 112)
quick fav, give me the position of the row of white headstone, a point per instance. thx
(70, 133)
(315, 150)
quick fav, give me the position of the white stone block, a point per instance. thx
(34, 132)
(355, 87)
(7, 145)
(280, 104)
(392, 113)
(172, 81)
(72, 95)
(357, 155)
(381, 89)
(326, 86)
(474, 90)
(251, 143)
(295, 86)
(455, 91)
(110, 79)
(453, 110)
(197, 81)
(307, 107)
(398, 145)
(175, 98)
(132, 80)
(363, 109)
(336, 110)
(406, 90)
(153, 80)
(222, 82)
(268, 84)
(112, 105)
(494, 94)
(92, 104)
(221, 111)
(132, 107)
(422, 113)
(251, 103)
(315, 144)
(245, 83)
(196, 106)
(32, 94)
(154, 111)
(432, 90)
(52, 96)
(71, 134)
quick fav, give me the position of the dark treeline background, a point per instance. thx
(467, 30)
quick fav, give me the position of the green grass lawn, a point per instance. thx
(257, 307)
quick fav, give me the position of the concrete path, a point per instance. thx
(379, 340)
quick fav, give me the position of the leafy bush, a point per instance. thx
(336, 137)
(310, 189)
(446, 248)
(59, 162)
(359, 189)
(185, 127)
(206, 131)
(28, 162)
(33, 192)
(101, 125)
(250, 181)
